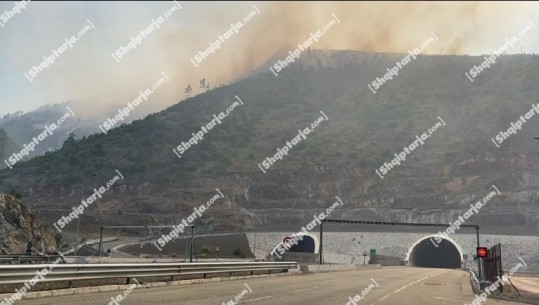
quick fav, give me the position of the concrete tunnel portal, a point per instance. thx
(428, 252)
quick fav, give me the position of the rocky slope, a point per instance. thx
(438, 181)
(18, 225)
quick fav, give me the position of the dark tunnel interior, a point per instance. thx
(426, 254)
(305, 245)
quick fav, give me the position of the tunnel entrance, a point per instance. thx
(307, 245)
(426, 252)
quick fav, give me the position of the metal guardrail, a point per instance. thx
(12, 274)
(22, 258)
(476, 286)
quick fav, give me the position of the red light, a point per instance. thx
(482, 252)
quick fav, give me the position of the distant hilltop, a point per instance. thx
(435, 180)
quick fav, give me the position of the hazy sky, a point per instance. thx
(89, 72)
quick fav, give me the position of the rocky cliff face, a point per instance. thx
(18, 225)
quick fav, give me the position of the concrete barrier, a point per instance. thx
(386, 260)
(301, 257)
(137, 260)
(331, 267)
(108, 288)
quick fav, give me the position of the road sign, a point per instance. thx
(288, 241)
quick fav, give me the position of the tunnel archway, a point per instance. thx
(427, 252)
(308, 244)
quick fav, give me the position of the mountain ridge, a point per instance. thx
(457, 164)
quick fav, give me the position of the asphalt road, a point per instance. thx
(397, 286)
(527, 284)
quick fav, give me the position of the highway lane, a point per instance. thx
(397, 286)
(527, 284)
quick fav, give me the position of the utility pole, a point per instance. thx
(478, 258)
(321, 242)
(192, 245)
(254, 248)
(78, 236)
(100, 242)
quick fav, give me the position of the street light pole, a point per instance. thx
(192, 246)
(254, 248)
(78, 235)
(100, 242)
(321, 242)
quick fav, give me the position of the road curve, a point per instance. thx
(397, 286)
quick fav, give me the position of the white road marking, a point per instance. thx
(424, 278)
(261, 298)
(441, 298)
(306, 289)
(403, 287)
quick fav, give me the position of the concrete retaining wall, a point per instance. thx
(330, 267)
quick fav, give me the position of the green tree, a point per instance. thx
(70, 141)
(58, 238)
